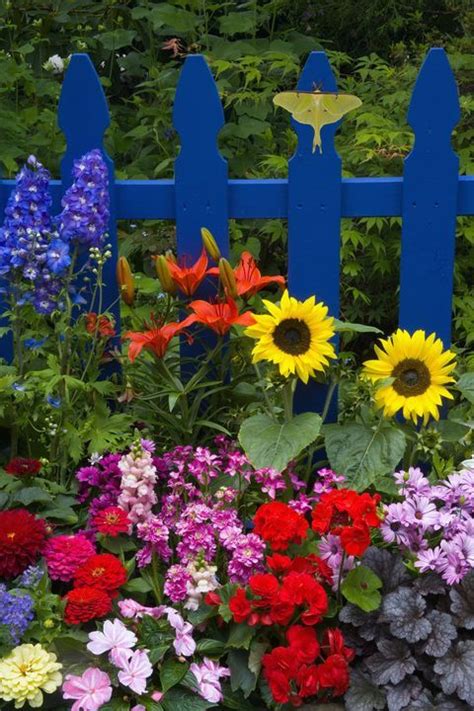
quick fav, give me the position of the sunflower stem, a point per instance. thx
(330, 392)
(264, 391)
(288, 393)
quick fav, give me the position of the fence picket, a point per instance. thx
(200, 171)
(83, 117)
(430, 200)
(314, 214)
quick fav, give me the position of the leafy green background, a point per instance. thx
(255, 49)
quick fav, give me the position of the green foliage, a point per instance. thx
(254, 50)
(361, 587)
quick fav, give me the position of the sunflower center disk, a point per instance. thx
(292, 336)
(412, 377)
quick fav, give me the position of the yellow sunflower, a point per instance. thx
(295, 336)
(420, 370)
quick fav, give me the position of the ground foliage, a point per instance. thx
(255, 49)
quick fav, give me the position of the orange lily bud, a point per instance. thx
(125, 281)
(227, 277)
(210, 244)
(163, 274)
(170, 256)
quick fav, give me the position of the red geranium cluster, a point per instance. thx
(279, 525)
(307, 668)
(96, 583)
(292, 591)
(22, 539)
(348, 515)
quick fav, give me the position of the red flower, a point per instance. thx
(84, 604)
(112, 521)
(279, 563)
(248, 277)
(102, 571)
(333, 643)
(334, 673)
(279, 686)
(279, 525)
(308, 680)
(188, 278)
(22, 539)
(219, 316)
(301, 588)
(304, 642)
(239, 605)
(333, 510)
(355, 539)
(22, 466)
(279, 667)
(313, 565)
(213, 599)
(155, 339)
(264, 585)
(281, 612)
(365, 509)
(101, 325)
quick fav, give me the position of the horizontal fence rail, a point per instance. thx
(314, 198)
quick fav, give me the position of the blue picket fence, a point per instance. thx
(313, 199)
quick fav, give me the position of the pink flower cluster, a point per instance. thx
(208, 675)
(430, 512)
(65, 554)
(137, 485)
(184, 644)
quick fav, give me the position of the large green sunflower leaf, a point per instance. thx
(270, 444)
(364, 454)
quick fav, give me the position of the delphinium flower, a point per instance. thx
(208, 675)
(85, 214)
(415, 523)
(65, 554)
(137, 495)
(31, 577)
(91, 690)
(31, 252)
(16, 613)
(26, 672)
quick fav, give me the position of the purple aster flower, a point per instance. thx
(412, 482)
(422, 512)
(393, 527)
(428, 559)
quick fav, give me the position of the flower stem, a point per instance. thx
(288, 393)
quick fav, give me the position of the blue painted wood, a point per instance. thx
(83, 117)
(201, 198)
(314, 215)
(430, 199)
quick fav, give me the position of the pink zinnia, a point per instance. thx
(92, 690)
(65, 554)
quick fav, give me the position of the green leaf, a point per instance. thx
(171, 673)
(31, 495)
(116, 39)
(361, 587)
(347, 326)
(237, 22)
(257, 650)
(179, 699)
(213, 647)
(466, 385)
(240, 636)
(273, 445)
(241, 677)
(137, 585)
(3, 500)
(173, 17)
(64, 513)
(364, 454)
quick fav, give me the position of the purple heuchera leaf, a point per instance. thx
(399, 696)
(462, 602)
(363, 695)
(442, 634)
(392, 663)
(389, 567)
(404, 610)
(366, 622)
(456, 670)
(430, 584)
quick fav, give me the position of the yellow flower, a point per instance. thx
(26, 672)
(295, 336)
(420, 370)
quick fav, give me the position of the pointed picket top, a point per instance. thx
(83, 115)
(197, 113)
(316, 71)
(434, 107)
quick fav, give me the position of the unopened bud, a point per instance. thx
(210, 244)
(164, 275)
(227, 277)
(170, 256)
(126, 281)
(48, 624)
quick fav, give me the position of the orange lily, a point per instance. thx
(219, 316)
(155, 339)
(249, 277)
(188, 278)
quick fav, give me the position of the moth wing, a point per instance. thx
(307, 109)
(340, 104)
